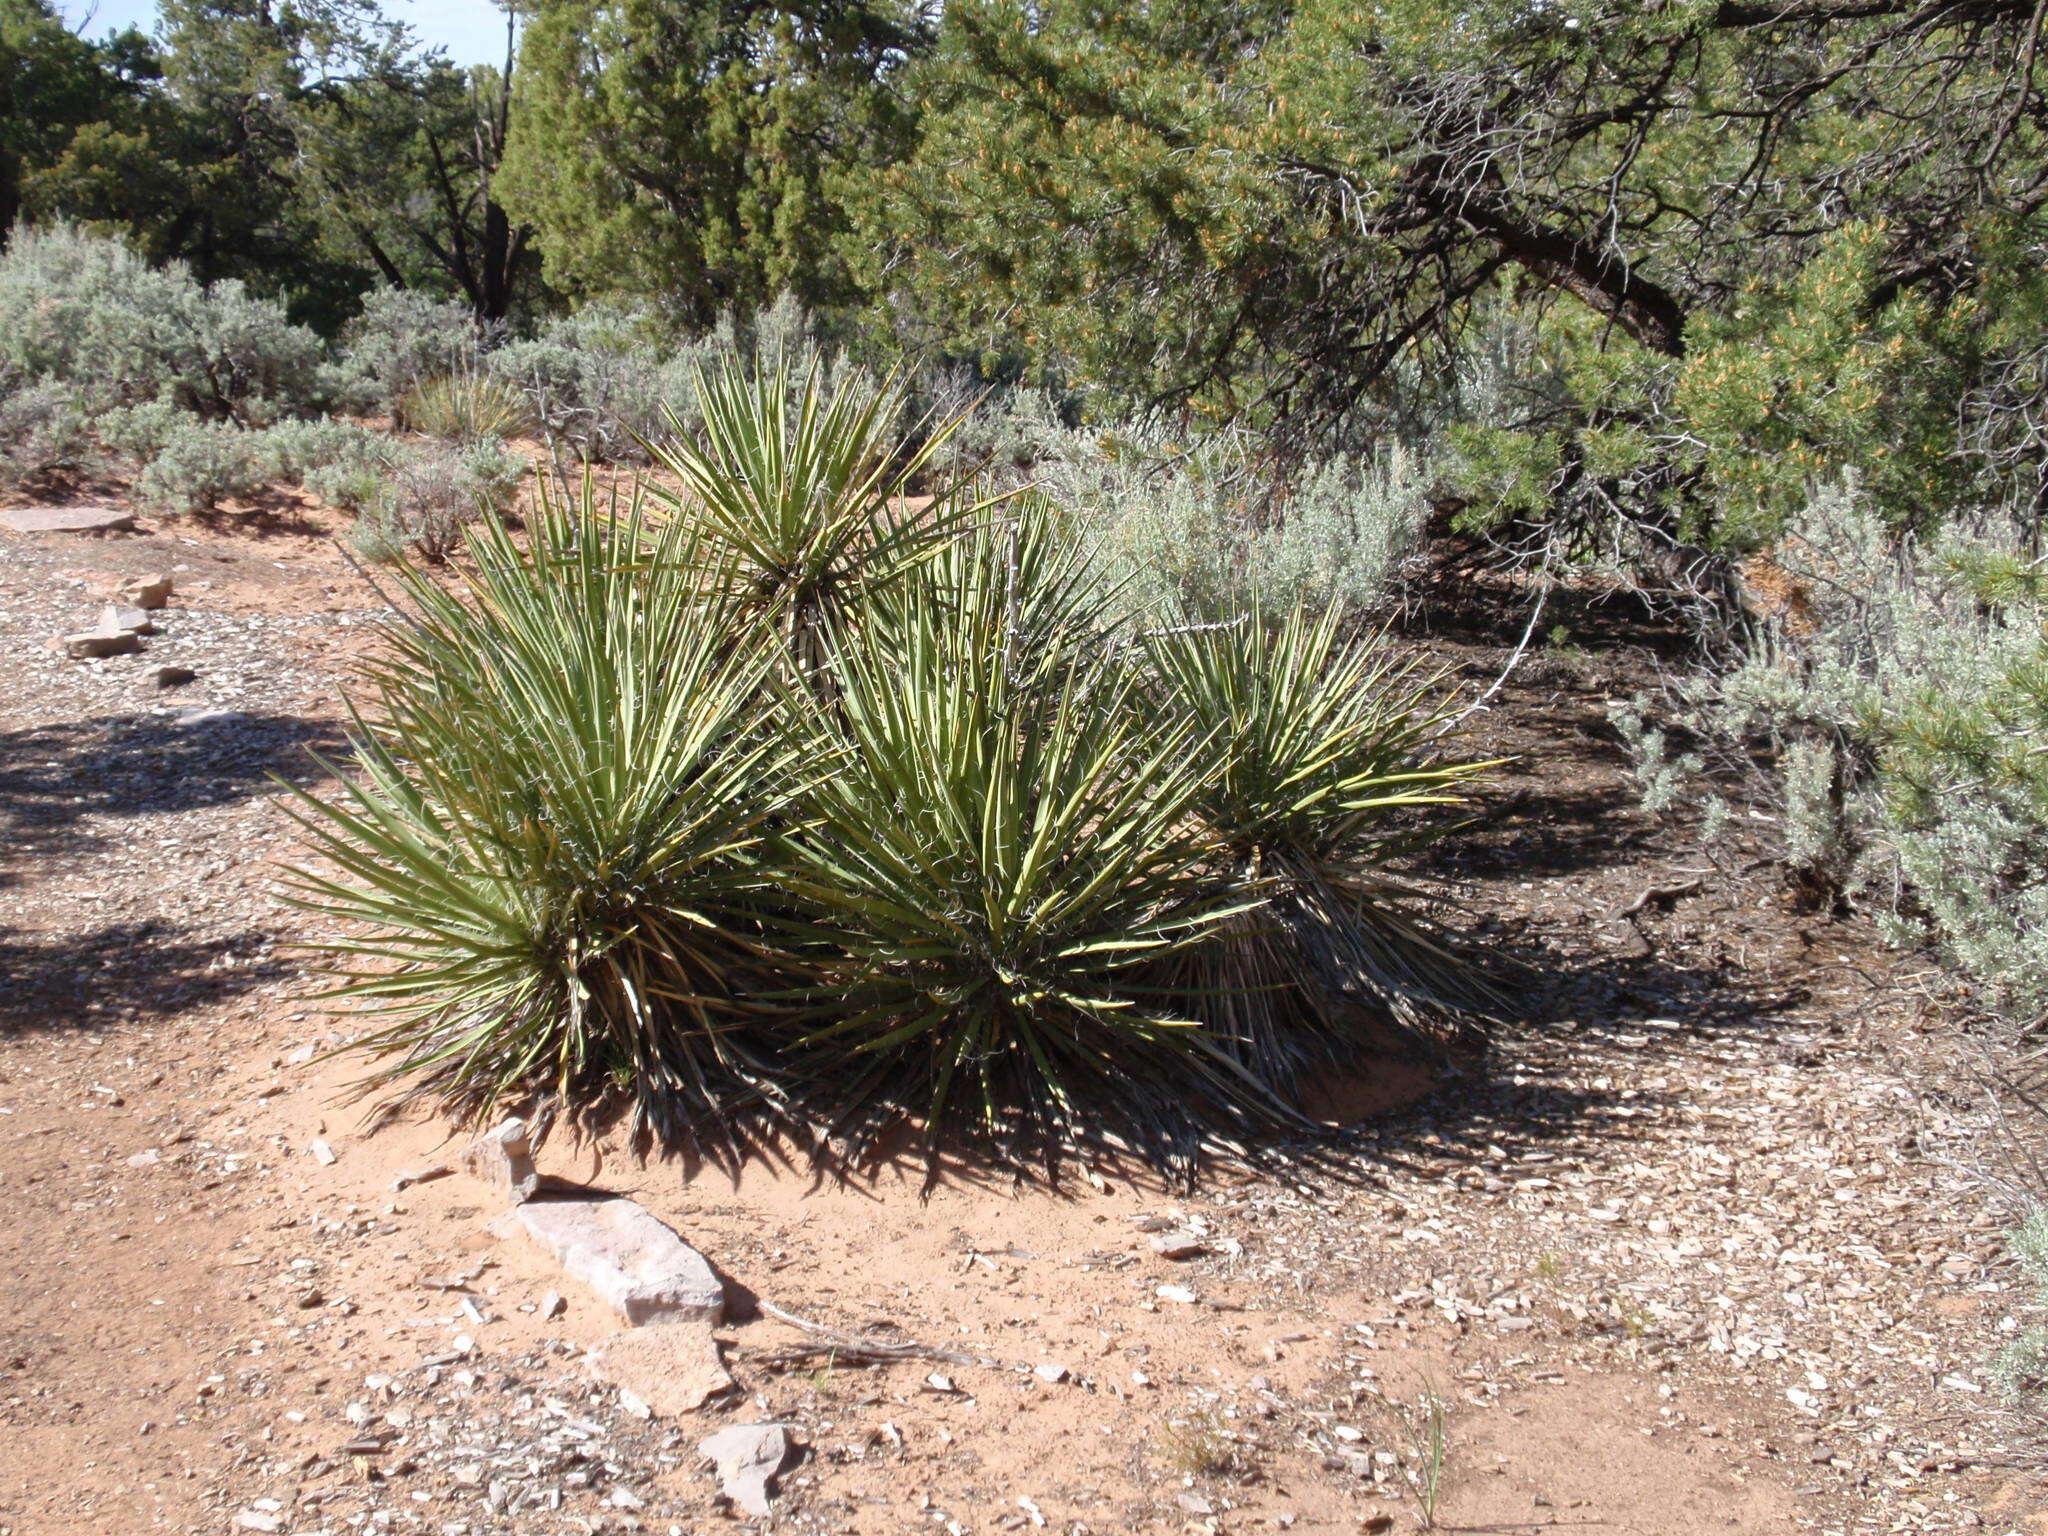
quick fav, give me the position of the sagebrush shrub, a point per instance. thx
(2021, 1365)
(200, 464)
(89, 313)
(1203, 527)
(401, 338)
(600, 380)
(423, 498)
(43, 428)
(306, 451)
(1895, 696)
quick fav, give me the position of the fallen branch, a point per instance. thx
(1514, 661)
(848, 1346)
(1657, 896)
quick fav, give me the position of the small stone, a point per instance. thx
(119, 616)
(172, 677)
(1175, 1293)
(258, 1520)
(68, 520)
(1050, 1372)
(92, 647)
(145, 1158)
(320, 1152)
(635, 1263)
(748, 1458)
(1179, 1245)
(670, 1370)
(150, 592)
(552, 1305)
(503, 1158)
(1194, 1504)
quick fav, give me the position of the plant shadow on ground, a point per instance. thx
(56, 779)
(1539, 884)
(123, 972)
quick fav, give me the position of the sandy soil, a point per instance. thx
(1697, 1251)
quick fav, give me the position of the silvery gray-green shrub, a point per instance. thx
(1898, 710)
(86, 312)
(43, 428)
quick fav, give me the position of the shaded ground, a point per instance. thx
(1694, 1250)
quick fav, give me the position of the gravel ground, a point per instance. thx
(1729, 1168)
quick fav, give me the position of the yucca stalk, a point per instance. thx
(1328, 757)
(1005, 854)
(805, 492)
(549, 859)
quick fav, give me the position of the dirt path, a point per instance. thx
(1690, 1255)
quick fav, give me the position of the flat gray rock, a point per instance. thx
(68, 520)
(93, 646)
(673, 1369)
(748, 1457)
(634, 1262)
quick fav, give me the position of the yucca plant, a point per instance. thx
(551, 856)
(805, 491)
(1004, 855)
(1325, 750)
(466, 407)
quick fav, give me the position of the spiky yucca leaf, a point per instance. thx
(467, 406)
(1005, 853)
(804, 490)
(1326, 749)
(550, 861)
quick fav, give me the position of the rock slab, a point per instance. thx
(633, 1261)
(748, 1458)
(92, 647)
(674, 1369)
(68, 519)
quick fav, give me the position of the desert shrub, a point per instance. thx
(467, 407)
(561, 830)
(2020, 1367)
(1005, 849)
(785, 796)
(305, 451)
(601, 380)
(402, 338)
(1204, 528)
(89, 313)
(1322, 749)
(198, 465)
(604, 381)
(799, 488)
(137, 432)
(42, 429)
(1004, 433)
(425, 498)
(1894, 697)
